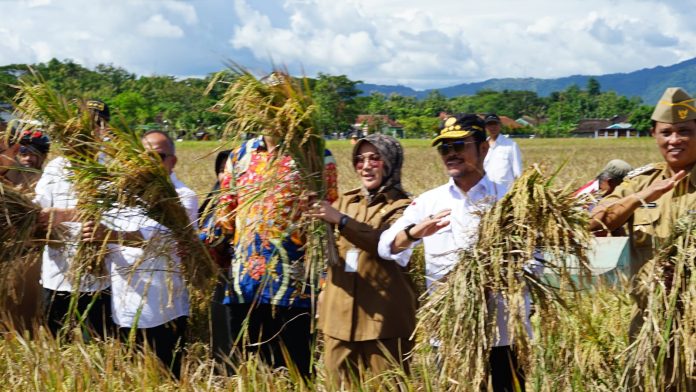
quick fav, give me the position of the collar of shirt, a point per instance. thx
(501, 140)
(175, 181)
(484, 188)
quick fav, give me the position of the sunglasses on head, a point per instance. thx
(457, 147)
(372, 159)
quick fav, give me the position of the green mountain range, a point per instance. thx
(648, 84)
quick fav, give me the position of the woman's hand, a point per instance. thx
(324, 210)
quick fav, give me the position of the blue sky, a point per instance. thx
(422, 44)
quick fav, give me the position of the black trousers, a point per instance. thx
(220, 318)
(273, 330)
(93, 307)
(503, 364)
(166, 340)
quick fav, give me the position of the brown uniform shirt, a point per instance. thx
(378, 301)
(652, 223)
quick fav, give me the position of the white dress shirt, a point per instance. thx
(503, 162)
(54, 189)
(147, 287)
(442, 248)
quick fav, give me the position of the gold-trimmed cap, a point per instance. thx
(459, 127)
(99, 108)
(675, 106)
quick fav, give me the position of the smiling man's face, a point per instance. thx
(677, 144)
(461, 156)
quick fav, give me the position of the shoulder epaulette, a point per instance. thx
(352, 192)
(641, 170)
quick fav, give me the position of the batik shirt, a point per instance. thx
(263, 226)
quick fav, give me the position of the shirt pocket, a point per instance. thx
(645, 221)
(441, 242)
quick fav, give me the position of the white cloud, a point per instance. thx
(37, 3)
(159, 27)
(420, 44)
(144, 36)
(185, 10)
(444, 42)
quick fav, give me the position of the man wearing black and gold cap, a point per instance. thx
(649, 202)
(446, 220)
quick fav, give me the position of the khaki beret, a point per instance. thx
(675, 106)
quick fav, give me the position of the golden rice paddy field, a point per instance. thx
(582, 160)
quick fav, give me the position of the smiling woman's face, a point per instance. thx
(369, 166)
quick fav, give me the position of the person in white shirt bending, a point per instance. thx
(149, 296)
(55, 194)
(446, 219)
(503, 162)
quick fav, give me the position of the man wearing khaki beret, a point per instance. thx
(650, 201)
(650, 195)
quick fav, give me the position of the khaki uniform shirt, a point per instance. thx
(652, 223)
(378, 301)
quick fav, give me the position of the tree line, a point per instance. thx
(182, 104)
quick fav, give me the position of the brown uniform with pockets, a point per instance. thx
(365, 313)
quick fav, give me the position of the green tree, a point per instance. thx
(593, 87)
(132, 106)
(420, 126)
(335, 97)
(399, 106)
(640, 118)
(377, 104)
(434, 103)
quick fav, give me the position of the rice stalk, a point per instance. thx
(19, 217)
(281, 107)
(533, 226)
(112, 169)
(662, 356)
(70, 125)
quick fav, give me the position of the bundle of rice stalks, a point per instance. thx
(110, 168)
(581, 348)
(138, 179)
(18, 221)
(662, 356)
(533, 226)
(281, 107)
(73, 128)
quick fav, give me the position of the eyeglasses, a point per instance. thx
(372, 159)
(457, 147)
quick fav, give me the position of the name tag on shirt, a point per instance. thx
(649, 205)
(352, 256)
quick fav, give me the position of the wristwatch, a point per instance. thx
(407, 231)
(342, 222)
